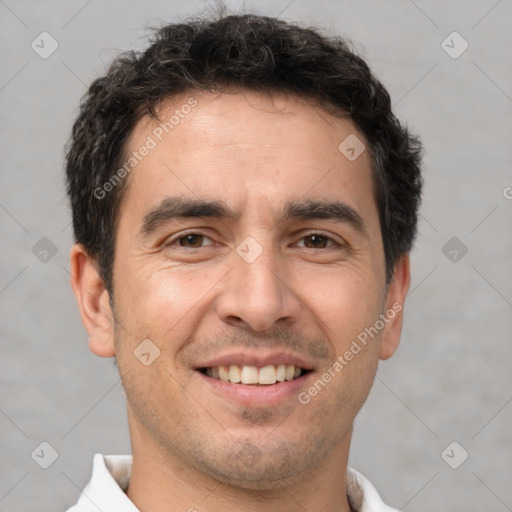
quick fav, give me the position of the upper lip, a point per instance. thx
(248, 358)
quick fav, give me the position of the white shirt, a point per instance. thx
(111, 473)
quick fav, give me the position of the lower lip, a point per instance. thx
(257, 394)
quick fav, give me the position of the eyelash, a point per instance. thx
(176, 239)
(330, 240)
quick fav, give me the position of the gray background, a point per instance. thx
(449, 381)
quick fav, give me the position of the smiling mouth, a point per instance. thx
(254, 375)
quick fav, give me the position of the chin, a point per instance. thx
(252, 468)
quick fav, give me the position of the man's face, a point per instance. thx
(246, 238)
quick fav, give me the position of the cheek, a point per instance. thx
(345, 302)
(346, 307)
(162, 303)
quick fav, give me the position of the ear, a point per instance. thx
(397, 291)
(93, 302)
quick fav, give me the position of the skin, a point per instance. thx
(193, 448)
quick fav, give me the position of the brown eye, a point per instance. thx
(192, 240)
(316, 241)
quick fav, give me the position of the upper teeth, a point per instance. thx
(253, 374)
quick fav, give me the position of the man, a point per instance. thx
(244, 202)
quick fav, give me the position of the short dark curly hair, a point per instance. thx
(244, 52)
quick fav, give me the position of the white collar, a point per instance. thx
(111, 474)
(105, 490)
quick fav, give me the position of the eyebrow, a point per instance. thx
(175, 208)
(330, 210)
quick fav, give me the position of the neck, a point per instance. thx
(162, 482)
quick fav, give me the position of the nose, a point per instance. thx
(258, 294)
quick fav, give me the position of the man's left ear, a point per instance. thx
(397, 291)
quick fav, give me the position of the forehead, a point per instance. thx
(246, 147)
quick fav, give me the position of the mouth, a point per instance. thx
(249, 375)
(255, 378)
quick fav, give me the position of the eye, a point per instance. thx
(191, 241)
(316, 241)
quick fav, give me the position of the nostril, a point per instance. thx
(235, 320)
